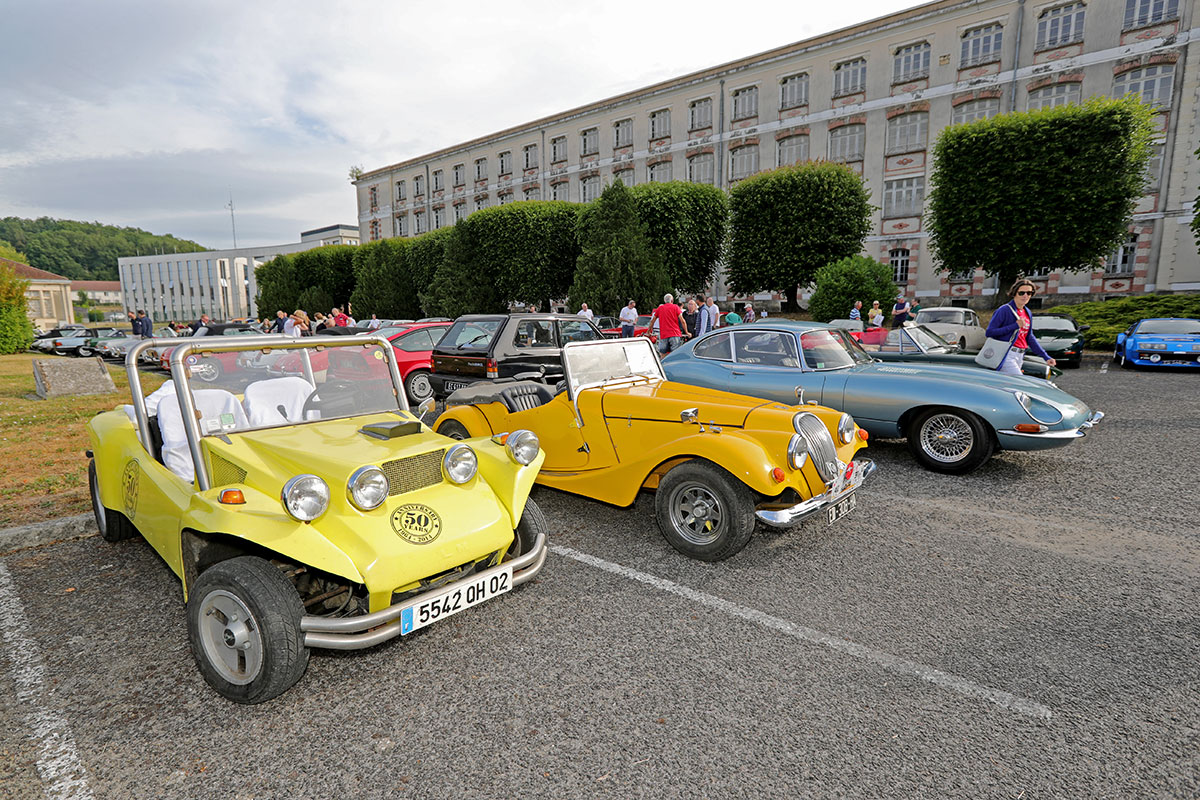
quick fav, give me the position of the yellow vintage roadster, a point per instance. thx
(718, 462)
(309, 511)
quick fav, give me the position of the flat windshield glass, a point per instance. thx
(470, 334)
(1169, 326)
(927, 339)
(825, 350)
(1056, 324)
(610, 360)
(950, 316)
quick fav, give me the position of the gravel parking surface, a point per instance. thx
(1026, 631)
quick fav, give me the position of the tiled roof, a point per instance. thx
(95, 286)
(31, 273)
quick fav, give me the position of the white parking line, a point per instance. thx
(1104, 367)
(58, 761)
(888, 661)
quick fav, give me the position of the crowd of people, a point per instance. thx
(902, 310)
(676, 324)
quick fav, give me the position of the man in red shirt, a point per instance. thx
(340, 319)
(671, 327)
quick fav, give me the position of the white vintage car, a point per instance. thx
(958, 326)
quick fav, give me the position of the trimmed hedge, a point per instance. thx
(384, 283)
(855, 278)
(277, 287)
(330, 268)
(687, 224)
(1111, 317)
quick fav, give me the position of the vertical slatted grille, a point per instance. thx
(413, 473)
(820, 446)
(224, 472)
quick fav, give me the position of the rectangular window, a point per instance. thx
(907, 133)
(439, 217)
(1059, 26)
(419, 222)
(558, 149)
(460, 212)
(623, 133)
(418, 185)
(1060, 94)
(373, 197)
(793, 91)
(625, 176)
(504, 198)
(375, 234)
(700, 168)
(745, 102)
(904, 197)
(1154, 167)
(589, 142)
(438, 182)
(743, 162)
(792, 150)
(560, 191)
(402, 226)
(1152, 84)
(506, 162)
(981, 45)
(660, 124)
(481, 170)
(481, 202)
(1149, 12)
(659, 173)
(530, 153)
(847, 143)
(532, 193)
(984, 108)
(700, 114)
(460, 174)
(911, 62)
(589, 189)
(850, 77)
(1121, 261)
(401, 192)
(898, 259)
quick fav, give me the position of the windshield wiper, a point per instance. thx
(473, 341)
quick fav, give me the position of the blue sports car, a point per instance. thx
(953, 417)
(1171, 342)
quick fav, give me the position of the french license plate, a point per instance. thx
(451, 386)
(841, 508)
(430, 609)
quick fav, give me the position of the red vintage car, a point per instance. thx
(611, 326)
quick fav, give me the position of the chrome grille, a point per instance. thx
(820, 445)
(412, 473)
(225, 472)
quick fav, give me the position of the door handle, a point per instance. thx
(735, 372)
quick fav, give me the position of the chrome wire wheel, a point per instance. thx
(696, 513)
(230, 637)
(947, 438)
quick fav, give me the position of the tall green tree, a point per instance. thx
(84, 250)
(278, 289)
(788, 223)
(687, 224)
(463, 282)
(329, 268)
(16, 331)
(1054, 188)
(11, 253)
(617, 263)
(384, 281)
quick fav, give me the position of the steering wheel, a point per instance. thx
(332, 399)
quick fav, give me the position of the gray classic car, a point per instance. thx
(953, 417)
(958, 326)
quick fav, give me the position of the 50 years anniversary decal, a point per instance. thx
(416, 523)
(129, 486)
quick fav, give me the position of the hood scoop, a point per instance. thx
(391, 430)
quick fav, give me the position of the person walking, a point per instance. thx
(671, 328)
(629, 317)
(1012, 321)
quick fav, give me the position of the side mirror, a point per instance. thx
(1083, 328)
(424, 407)
(799, 395)
(690, 415)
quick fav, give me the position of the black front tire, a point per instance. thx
(950, 440)
(244, 627)
(113, 525)
(703, 511)
(533, 522)
(454, 429)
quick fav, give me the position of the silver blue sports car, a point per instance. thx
(953, 417)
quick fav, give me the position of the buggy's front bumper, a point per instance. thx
(355, 633)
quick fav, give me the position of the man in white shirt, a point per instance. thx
(714, 313)
(629, 317)
(584, 311)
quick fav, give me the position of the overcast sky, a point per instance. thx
(149, 114)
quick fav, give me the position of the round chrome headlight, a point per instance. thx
(523, 447)
(797, 452)
(305, 497)
(460, 463)
(846, 429)
(367, 488)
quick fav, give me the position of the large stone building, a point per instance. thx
(874, 96)
(48, 297)
(221, 283)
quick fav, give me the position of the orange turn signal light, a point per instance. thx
(862, 434)
(232, 497)
(1028, 427)
(777, 474)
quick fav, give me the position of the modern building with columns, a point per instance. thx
(874, 96)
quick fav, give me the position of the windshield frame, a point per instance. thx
(575, 389)
(837, 334)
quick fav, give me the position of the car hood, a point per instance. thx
(1047, 340)
(969, 375)
(664, 401)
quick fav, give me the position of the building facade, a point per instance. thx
(182, 286)
(874, 96)
(48, 298)
(103, 293)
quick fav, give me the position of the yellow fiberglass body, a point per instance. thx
(305, 511)
(718, 461)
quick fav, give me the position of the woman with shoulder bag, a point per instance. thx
(1012, 323)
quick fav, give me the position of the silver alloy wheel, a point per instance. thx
(947, 438)
(206, 371)
(230, 637)
(696, 513)
(419, 386)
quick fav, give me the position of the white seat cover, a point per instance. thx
(276, 401)
(212, 404)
